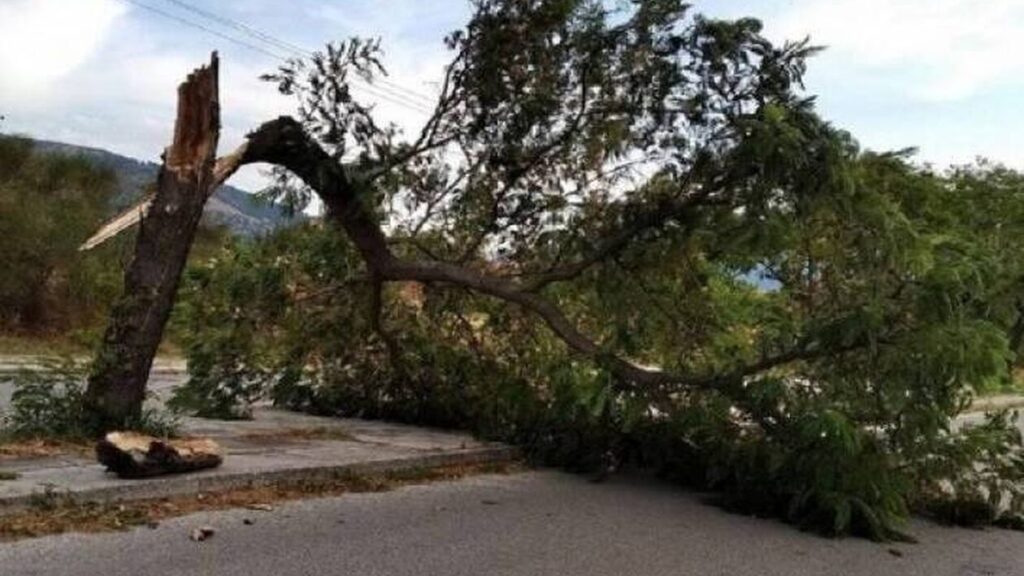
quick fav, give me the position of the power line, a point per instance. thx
(397, 90)
(240, 26)
(181, 20)
(363, 86)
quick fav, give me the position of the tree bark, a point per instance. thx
(117, 385)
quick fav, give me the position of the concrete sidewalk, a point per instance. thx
(996, 402)
(14, 363)
(167, 374)
(275, 447)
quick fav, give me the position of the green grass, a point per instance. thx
(12, 345)
(65, 345)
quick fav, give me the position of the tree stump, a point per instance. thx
(117, 385)
(133, 455)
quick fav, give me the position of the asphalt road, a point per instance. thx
(524, 524)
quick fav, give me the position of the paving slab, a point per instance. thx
(272, 448)
(997, 402)
(165, 375)
(15, 363)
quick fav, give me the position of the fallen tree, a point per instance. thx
(621, 178)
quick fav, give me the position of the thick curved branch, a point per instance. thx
(285, 143)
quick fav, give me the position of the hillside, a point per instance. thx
(240, 211)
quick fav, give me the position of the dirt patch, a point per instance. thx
(297, 434)
(43, 448)
(15, 345)
(52, 514)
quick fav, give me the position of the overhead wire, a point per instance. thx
(240, 26)
(370, 88)
(392, 89)
(186, 22)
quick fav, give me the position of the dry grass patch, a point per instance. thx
(314, 433)
(43, 448)
(40, 345)
(52, 514)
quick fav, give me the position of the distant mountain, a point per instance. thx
(240, 211)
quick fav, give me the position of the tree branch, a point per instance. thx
(284, 142)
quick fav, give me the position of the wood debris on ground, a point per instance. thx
(134, 455)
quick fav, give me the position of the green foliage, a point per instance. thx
(988, 202)
(284, 317)
(255, 310)
(973, 477)
(48, 402)
(49, 204)
(829, 474)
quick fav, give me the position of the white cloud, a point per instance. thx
(951, 48)
(103, 73)
(42, 41)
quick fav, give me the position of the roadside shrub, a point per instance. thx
(818, 471)
(48, 402)
(49, 204)
(972, 476)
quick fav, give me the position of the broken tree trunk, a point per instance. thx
(131, 455)
(117, 385)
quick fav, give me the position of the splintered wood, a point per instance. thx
(133, 455)
(169, 219)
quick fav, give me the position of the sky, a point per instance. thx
(944, 76)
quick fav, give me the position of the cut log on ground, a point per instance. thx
(133, 455)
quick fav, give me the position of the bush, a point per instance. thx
(48, 402)
(49, 205)
(972, 477)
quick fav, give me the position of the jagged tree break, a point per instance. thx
(117, 384)
(636, 219)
